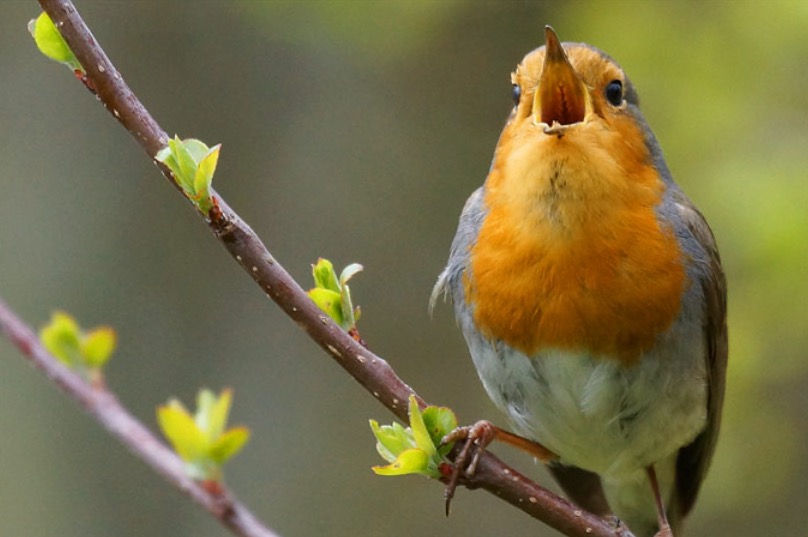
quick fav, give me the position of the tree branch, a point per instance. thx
(371, 371)
(108, 411)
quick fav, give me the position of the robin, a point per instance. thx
(590, 293)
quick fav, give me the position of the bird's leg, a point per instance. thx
(662, 517)
(478, 437)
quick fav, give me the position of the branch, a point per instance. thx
(108, 411)
(370, 370)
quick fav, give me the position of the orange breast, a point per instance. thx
(571, 254)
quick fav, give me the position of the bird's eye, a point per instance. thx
(516, 93)
(614, 92)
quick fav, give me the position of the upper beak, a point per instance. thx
(561, 98)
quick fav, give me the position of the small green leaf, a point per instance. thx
(51, 43)
(85, 352)
(196, 148)
(324, 275)
(414, 449)
(193, 164)
(201, 441)
(328, 301)
(439, 422)
(411, 461)
(218, 414)
(205, 401)
(62, 338)
(204, 177)
(182, 431)
(228, 444)
(337, 301)
(97, 346)
(422, 439)
(186, 163)
(165, 156)
(391, 440)
(347, 309)
(349, 272)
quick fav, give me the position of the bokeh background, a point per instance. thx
(355, 130)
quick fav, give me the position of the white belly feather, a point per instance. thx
(601, 416)
(595, 413)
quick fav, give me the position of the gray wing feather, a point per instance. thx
(450, 281)
(694, 459)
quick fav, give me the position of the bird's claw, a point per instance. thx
(664, 531)
(477, 437)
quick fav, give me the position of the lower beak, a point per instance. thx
(561, 98)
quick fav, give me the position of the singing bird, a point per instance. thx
(590, 293)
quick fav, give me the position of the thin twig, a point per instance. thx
(371, 371)
(110, 413)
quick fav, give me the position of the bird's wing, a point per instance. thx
(694, 459)
(449, 282)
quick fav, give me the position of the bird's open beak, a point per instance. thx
(561, 99)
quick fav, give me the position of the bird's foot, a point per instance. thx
(664, 531)
(478, 436)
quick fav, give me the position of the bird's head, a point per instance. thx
(559, 88)
(576, 118)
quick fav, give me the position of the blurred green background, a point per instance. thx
(355, 131)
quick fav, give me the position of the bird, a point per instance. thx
(590, 293)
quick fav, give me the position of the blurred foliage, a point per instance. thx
(362, 29)
(84, 351)
(383, 116)
(201, 440)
